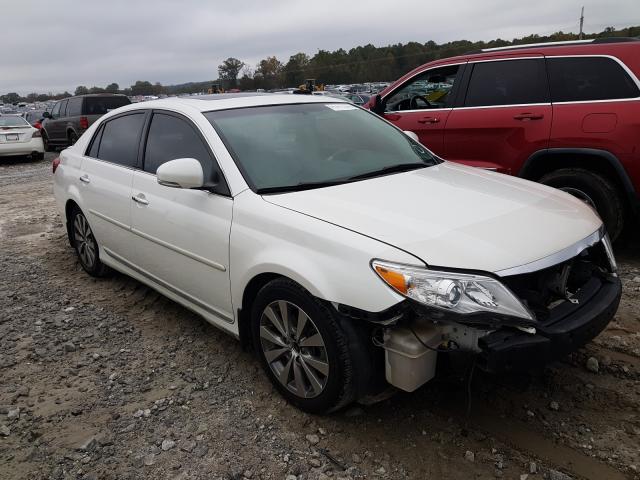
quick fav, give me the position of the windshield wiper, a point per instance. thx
(401, 167)
(301, 186)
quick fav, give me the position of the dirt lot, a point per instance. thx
(108, 380)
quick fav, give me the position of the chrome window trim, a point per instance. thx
(509, 105)
(555, 258)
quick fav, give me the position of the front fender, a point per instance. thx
(330, 262)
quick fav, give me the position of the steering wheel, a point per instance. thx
(413, 104)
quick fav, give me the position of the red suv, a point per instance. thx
(563, 114)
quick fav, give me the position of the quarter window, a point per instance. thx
(171, 138)
(510, 82)
(95, 144)
(431, 89)
(63, 108)
(121, 139)
(589, 78)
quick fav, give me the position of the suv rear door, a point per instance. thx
(505, 114)
(422, 104)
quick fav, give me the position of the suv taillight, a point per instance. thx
(55, 163)
(84, 122)
(36, 134)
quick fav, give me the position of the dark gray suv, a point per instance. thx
(70, 117)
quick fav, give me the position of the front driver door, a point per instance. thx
(182, 235)
(423, 104)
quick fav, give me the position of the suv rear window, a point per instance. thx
(102, 105)
(579, 79)
(508, 82)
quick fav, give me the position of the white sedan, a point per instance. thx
(347, 254)
(18, 137)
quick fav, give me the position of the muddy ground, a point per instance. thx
(105, 379)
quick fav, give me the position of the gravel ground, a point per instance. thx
(106, 379)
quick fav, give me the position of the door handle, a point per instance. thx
(529, 116)
(140, 199)
(429, 120)
(85, 179)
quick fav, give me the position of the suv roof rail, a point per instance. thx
(557, 44)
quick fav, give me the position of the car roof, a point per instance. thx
(224, 101)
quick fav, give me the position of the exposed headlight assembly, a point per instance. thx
(456, 292)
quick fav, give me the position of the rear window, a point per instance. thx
(510, 82)
(74, 107)
(102, 105)
(12, 121)
(589, 78)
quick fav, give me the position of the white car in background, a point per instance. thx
(344, 251)
(19, 137)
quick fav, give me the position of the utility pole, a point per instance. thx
(581, 22)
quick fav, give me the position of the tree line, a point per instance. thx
(360, 64)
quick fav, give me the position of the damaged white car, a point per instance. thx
(340, 248)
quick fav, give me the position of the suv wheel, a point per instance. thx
(86, 245)
(302, 347)
(73, 138)
(593, 189)
(45, 142)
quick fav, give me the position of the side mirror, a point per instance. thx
(376, 104)
(181, 173)
(46, 115)
(411, 135)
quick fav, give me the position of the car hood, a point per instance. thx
(454, 216)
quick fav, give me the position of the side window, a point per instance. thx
(63, 108)
(509, 82)
(121, 139)
(589, 78)
(55, 113)
(95, 143)
(171, 138)
(430, 89)
(74, 107)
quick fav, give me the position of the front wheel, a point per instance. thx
(302, 347)
(593, 189)
(45, 141)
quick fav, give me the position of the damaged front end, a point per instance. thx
(515, 321)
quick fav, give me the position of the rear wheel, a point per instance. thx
(302, 347)
(86, 245)
(594, 189)
(72, 137)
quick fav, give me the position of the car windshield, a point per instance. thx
(12, 121)
(300, 146)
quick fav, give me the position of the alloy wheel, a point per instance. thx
(85, 241)
(294, 349)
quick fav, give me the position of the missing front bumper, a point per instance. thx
(569, 327)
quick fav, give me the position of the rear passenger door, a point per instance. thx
(505, 116)
(182, 235)
(107, 174)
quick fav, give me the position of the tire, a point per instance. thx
(595, 189)
(86, 245)
(72, 138)
(321, 347)
(45, 141)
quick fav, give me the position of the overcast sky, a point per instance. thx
(51, 46)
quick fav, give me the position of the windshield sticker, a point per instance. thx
(339, 107)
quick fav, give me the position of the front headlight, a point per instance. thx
(457, 292)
